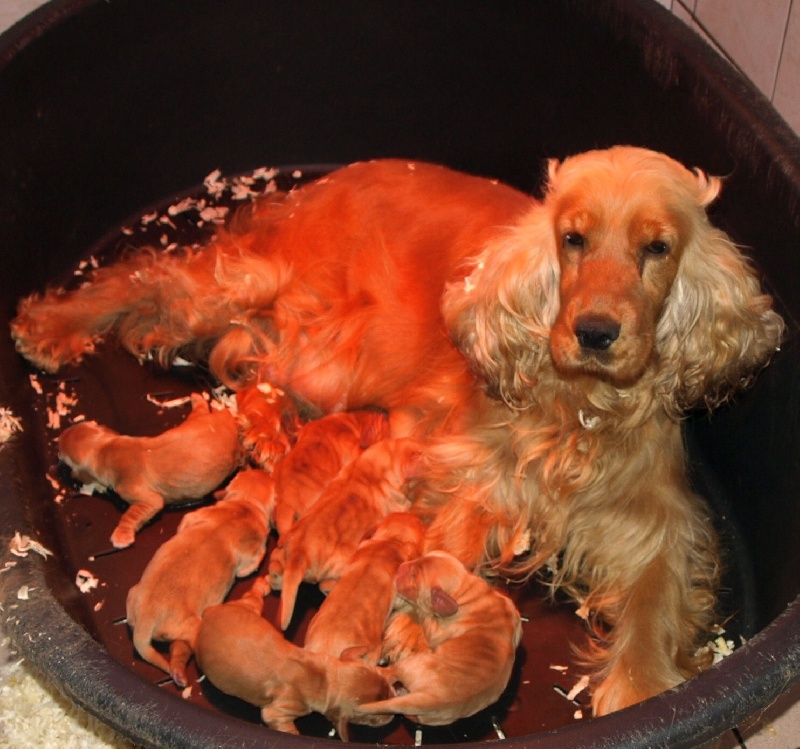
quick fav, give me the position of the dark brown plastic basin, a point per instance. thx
(109, 109)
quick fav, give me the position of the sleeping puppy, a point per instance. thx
(186, 462)
(323, 448)
(472, 632)
(269, 420)
(242, 654)
(352, 618)
(319, 545)
(196, 568)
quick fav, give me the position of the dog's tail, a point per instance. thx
(293, 574)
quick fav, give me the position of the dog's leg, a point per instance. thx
(144, 506)
(154, 302)
(653, 641)
(180, 653)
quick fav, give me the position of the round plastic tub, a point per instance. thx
(110, 108)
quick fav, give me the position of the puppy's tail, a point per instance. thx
(144, 647)
(293, 575)
(413, 705)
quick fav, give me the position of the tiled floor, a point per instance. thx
(779, 726)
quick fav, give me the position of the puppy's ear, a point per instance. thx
(442, 603)
(500, 315)
(354, 653)
(717, 326)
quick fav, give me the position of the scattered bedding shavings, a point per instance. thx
(588, 422)
(581, 684)
(497, 729)
(522, 544)
(20, 545)
(35, 384)
(8, 566)
(578, 714)
(214, 214)
(173, 403)
(93, 487)
(86, 581)
(561, 669)
(187, 692)
(9, 425)
(214, 183)
(223, 398)
(24, 593)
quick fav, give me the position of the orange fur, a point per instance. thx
(318, 546)
(353, 616)
(583, 327)
(196, 568)
(242, 654)
(471, 632)
(185, 462)
(324, 447)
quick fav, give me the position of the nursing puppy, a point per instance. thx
(242, 654)
(269, 420)
(352, 618)
(324, 447)
(196, 568)
(186, 462)
(320, 544)
(472, 632)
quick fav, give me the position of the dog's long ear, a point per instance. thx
(500, 315)
(717, 327)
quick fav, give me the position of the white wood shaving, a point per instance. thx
(35, 384)
(588, 422)
(173, 403)
(578, 714)
(214, 183)
(418, 737)
(24, 593)
(93, 487)
(561, 669)
(9, 425)
(86, 581)
(20, 545)
(582, 683)
(523, 543)
(497, 729)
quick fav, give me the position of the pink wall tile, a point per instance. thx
(787, 89)
(750, 32)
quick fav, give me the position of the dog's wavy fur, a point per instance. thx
(584, 326)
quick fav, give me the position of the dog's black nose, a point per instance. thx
(596, 333)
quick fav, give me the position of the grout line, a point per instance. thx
(781, 51)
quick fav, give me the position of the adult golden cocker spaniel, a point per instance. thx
(545, 350)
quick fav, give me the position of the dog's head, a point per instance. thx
(617, 272)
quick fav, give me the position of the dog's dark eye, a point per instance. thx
(573, 239)
(657, 248)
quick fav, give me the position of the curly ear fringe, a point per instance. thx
(717, 327)
(500, 315)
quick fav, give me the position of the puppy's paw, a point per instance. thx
(122, 538)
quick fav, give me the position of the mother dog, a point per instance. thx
(546, 350)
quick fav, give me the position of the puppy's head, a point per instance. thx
(431, 583)
(356, 683)
(78, 444)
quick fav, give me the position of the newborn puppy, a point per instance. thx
(352, 618)
(472, 632)
(270, 421)
(323, 448)
(242, 654)
(319, 545)
(196, 568)
(186, 462)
